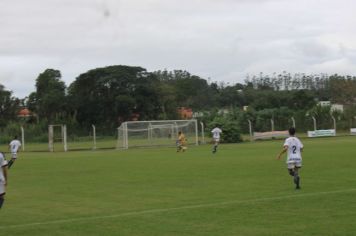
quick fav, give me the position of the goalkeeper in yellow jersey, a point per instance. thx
(181, 142)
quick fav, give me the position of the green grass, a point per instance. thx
(241, 190)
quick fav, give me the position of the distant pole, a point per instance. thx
(196, 133)
(314, 121)
(94, 137)
(50, 138)
(126, 146)
(334, 121)
(272, 125)
(250, 129)
(293, 121)
(64, 132)
(202, 133)
(149, 132)
(23, 138)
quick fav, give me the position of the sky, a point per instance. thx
(218, 40)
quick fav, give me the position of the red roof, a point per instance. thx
(185, 112)
(24, 112)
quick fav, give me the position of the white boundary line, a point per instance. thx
(161, 210)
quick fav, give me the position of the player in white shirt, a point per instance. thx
(216, 137)
(3, 177)
(294, 159)
(14, 148)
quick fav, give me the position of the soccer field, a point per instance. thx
(241, 190)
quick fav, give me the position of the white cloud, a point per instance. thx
(223, 40)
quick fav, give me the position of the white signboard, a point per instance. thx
(321, 133)
(353, 131)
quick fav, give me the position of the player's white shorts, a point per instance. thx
(216, 140)
(294, 164)
(2, 188)
(14, 155)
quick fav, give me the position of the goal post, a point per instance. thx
(156, 133)
(57, 133)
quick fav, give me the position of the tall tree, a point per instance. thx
(49, 100)
(190, 90)
(112, 94)
(8, 106)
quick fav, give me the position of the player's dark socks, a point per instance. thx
(9, 164)
(215, 148)
(297, 182)
(1, 201)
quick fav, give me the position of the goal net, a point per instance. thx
(156, 133)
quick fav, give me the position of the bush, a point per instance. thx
(231, 132)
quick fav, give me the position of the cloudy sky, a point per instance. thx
(223, 40)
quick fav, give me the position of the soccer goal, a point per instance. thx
(57, 133)
(156, 133)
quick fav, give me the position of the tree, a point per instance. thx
(8, 106)
(113, 94)
(343, 90)
(232, 96)
(301, 100)
(49, 100)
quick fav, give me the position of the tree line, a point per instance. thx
(111, 95)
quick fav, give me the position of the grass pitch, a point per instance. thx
(241, 190)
